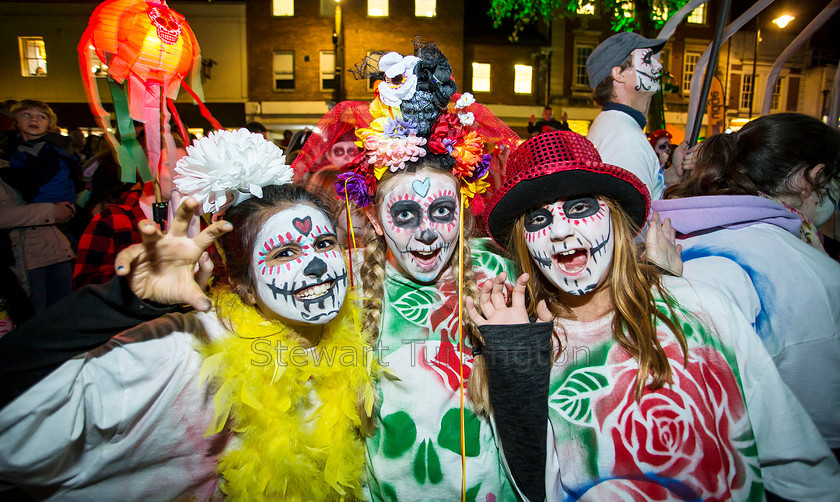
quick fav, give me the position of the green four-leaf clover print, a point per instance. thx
(399, 434)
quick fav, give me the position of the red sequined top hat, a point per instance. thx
(560, 164)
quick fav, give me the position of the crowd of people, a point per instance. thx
(412, 303)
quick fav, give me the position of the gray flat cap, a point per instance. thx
(612, 51)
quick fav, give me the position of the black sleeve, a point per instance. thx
(519, 367)
(80, 322)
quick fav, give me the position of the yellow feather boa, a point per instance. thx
(295, 416)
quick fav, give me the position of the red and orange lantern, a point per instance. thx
(149, 50)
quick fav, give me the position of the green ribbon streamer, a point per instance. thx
(130, 153)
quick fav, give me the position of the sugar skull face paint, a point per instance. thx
(648, 70)
(298, 266)
(571, 242)
(419, 218)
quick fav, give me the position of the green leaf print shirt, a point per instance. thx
(416, 451)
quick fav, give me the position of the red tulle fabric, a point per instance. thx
(343, 117)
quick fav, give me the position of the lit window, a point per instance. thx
(481, 77)
(746, 92)
(97, 67)
(586, 9)
(328, 8)
(33, 57)
(425, 8)
(283, 7)
(284, 71)
(777, 94)
(582, 52)
(327, 70)
(697, 16)
(522, 79)
(660, 10)
(689, 64)
(378, 8)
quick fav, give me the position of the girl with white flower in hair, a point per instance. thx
(264, 396)
(424, 160)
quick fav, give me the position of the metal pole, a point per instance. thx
(755, 63)
(710, 70)
(338, 37)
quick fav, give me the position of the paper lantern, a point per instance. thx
(149, 50)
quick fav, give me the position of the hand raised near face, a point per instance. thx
(495, 309)
(171, 268)
(661, 246)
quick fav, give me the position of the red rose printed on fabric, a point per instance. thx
(685, 436)
(446, 364)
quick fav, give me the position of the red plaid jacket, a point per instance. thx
(108, 233)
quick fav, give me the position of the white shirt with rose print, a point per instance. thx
(726, 428)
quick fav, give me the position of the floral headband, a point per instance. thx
(415, 111)
(228, 167)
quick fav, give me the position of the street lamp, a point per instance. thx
(783, 21)
(338, 41)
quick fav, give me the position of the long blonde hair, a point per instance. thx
(634, 286)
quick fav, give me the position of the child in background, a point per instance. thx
(39, 168)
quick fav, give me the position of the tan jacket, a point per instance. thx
(34, 236)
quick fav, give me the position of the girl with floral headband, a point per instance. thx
(424, 159)
(264, 397)
(653, 388)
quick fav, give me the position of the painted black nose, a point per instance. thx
(316, 268)
(427, 237)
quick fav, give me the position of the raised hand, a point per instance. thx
(661, 246)
(171, 268)
(495, 308)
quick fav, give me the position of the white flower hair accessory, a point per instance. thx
(400, 81)
(465, 117)
(230, 163)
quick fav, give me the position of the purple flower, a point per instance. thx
(481, 168)
(353, 186)
(399, 128)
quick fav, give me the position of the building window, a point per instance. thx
(697, 16)
(284, 71)
(586, 8)
(777, 94)
(33, 57)
(283, 7)
(425, 8)
(746, 92)
(481, 77)
(523, 75)
(328, 8)
(582, 52)
(377, 8)
(690, 60)
(327, 70)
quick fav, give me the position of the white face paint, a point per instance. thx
(571, 242)
(419, 217)
(298, 266)
(827, 204)
(648, 70)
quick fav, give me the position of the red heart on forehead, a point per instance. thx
(304, 226)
